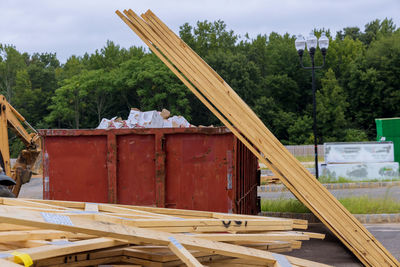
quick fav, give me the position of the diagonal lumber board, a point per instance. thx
(216, 75)
(236, 112)
(137, 235)
(153, 50)
(344, 229)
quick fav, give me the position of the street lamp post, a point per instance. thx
(312, 44)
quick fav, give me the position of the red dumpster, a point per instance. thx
(189, 168)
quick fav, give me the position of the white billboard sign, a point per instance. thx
(359, 152)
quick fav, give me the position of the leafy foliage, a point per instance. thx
(360, 82)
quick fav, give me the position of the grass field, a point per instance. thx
(356, 205)
(310, 158)
(328, 180)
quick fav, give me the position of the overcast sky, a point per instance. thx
(73, 27)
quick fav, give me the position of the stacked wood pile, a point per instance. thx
(228, 107)
(62, 233)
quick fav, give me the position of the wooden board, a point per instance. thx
(222, 100)
(74, 234)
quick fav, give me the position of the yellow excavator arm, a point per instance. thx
(26, 163)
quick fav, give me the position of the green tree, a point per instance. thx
(377, 29)
(98, 84)
(68, 103)
(277, 120)
(42, 70)
(353, 33)
(10, 62)
(331, 109)
(342, 54)
(373, 84)
(282, 61)
(300, 132)
(156, 86)
(207, 37)
(26, 98)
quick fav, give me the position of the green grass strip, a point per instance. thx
(341, 180)
(356, 205)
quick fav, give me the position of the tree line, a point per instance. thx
(360, 82)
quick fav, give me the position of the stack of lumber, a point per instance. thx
(62, 233)
(223, 101)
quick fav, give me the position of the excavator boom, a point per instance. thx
(25, 165)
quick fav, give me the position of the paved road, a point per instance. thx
(33, 189)
(332, 251)
(380, 192)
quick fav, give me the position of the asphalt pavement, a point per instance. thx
(33, 189)
(332, 251)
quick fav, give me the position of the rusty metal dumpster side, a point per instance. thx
(190, 168)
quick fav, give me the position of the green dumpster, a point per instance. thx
(389, 128)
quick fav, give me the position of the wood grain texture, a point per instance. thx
(223, 101)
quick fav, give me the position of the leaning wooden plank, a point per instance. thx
(209, 84)
(132, 234)
(361, 246)
(183, 253)
(191, 87)
(349, 230)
